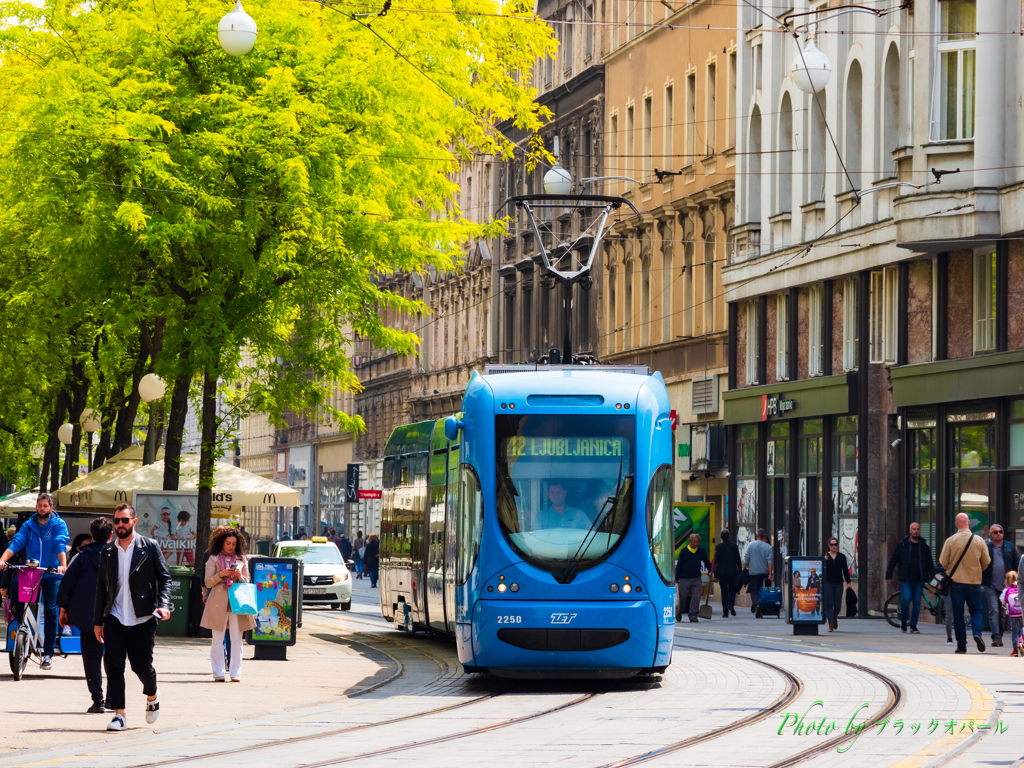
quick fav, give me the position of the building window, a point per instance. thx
(613, 140)
(851, 339)
(921, 452)
(730, 124)
(884, 317)
(588, 19)
(645, 298)
(711, 109)
(782, 336)
(569, 31)
(815, 331)
(630, 142)
(984, 301)
(955, 118)
(612, 334)
(746, 485)
(691, 118)
(549, 68)
(648, 137)
(751, 342)
(670, 111)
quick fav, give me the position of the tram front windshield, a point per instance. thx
(564, 487)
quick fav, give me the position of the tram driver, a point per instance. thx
(559, 514)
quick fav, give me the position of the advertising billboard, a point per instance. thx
(276, 579)
(170, 518)
(806, 575)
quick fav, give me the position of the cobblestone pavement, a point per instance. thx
(354, 690)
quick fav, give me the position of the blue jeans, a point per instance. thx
(911, 592)
(373, 575)
(48, 587)
(971, 595)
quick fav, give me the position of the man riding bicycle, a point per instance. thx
(44, 538)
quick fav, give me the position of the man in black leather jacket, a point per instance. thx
(133, 589)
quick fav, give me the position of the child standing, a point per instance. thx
(1011, 602)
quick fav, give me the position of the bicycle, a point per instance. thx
(30, 636)
(933, 603)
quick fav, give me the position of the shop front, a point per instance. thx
(962, 443)
(797, 470)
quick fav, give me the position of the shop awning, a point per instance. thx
(968, 378)
(119, 464)
(19, 501)
(232, 487)
(803, 399)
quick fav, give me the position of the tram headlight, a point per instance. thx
(614, 587)
(514, 587)
(502, 587)
(626, 588)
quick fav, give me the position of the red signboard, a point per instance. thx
(764, 407)
(369, 494)
(675, 419)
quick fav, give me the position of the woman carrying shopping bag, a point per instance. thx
(226, 569)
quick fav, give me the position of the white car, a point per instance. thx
(325, 579)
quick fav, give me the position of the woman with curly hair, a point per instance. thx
(227, 565)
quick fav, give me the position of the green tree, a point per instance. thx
(250, 202)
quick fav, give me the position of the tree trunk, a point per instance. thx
(207, 462)
(53, 445)
(175, 430)
(79, 397)
(44, 474)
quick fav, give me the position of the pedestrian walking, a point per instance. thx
(727, 567)
(965, 557)
(133, 589)
(44, 538)
(911, 562)
(757, 559)
(344, 547)
(76, 599)
(81, 540)
(227, 566)
(837, 573)
(688, 581)
(371, 555)
(1010, 598)
(1003, 556)
(358, 548)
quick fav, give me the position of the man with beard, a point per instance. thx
(133, 588)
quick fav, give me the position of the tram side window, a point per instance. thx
(471, 511)
(660, 525)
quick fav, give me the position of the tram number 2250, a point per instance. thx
(510, 619)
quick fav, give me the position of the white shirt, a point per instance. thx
(123, 609)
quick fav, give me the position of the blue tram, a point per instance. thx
(535, 528)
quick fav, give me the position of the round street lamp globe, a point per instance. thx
(557, 181)
(66, 433)
(812, 70)
(237, 31)
(151, 387)
(90, 420)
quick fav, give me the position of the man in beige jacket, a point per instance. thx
(965, 573)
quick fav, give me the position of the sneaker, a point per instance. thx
(903, 627)
(980, 643)
(119, 723)
(153, 709)
(47, 662)
(997, 643)
(1014, 653)
(694, 621)
(218, 679)
(915, 631)
(236, 679)
(949, 641)
(960, 650)
(97, 708)
(732, 611)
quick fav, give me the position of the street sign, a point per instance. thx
(369, 494)
(352, 484)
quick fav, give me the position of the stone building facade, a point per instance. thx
(668, 107)
(875, 351)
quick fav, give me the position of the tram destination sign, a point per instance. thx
(775, 405)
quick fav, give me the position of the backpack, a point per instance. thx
(1013, 602)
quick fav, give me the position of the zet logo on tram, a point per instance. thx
(562, 618)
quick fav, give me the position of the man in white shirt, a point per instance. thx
(560, 514)
(133, 588)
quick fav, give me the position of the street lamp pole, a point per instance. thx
(151, 388)
(90, 421)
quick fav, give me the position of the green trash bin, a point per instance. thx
(181, 584)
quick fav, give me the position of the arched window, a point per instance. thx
(816, 192)
(612, 288)
(854, 119)
(668, 277)
(891, 108)
(754, 168)
(786, 156)
(627, 315)
(645, 298)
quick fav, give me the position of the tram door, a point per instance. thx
(451, 550)
(436, 530)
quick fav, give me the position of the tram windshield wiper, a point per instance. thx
(609, 505)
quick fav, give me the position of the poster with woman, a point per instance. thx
(805, 590)
(169, 517)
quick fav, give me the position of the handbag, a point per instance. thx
(243, 598)
(946, 579)
(743, 579)
(362, 552)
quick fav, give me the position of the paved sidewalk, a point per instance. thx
(47, 709)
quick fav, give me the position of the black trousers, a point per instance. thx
(134, 644)
(728, 587)
(92, 660)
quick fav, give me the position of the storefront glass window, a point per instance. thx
(922, 446)
(845, 491)
(1017, 445)
(809, 507)
(746, 487)
(972, 456)
(784, 538)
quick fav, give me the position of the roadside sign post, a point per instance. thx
(804, 581)
(278, 583)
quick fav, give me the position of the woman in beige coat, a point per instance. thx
(225, 566)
